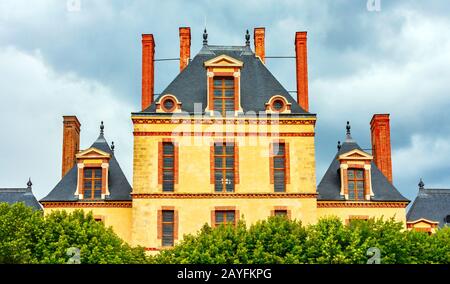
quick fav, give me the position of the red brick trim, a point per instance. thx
(367, 204)
(222, 121)
(221, 195)
(94, 204)
(227, 134)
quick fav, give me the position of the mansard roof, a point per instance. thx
(329, 187)
(257, 83)
(16, 195)
(430, 204)
(118, 185)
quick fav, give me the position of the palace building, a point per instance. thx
(223, 141)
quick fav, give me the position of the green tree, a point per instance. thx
(26, 236)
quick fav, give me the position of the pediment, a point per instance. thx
(92, 153)
(422, 221)
(223, 61)
(355, 154)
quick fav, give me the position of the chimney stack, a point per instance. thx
(381, 143)
(71, 142)
(259, 39)
(148, 70)
(185, 47)
(301, 59)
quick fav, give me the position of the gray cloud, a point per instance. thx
(360, 63)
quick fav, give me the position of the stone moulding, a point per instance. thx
(220, 195)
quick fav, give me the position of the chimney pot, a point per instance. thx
(259, 41)
(381, 143)
(301, 59)
(71, 142)
(185, 47)
(148, 70)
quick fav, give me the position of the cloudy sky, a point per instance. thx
(56, 61)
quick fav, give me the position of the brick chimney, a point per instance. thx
(258, 39)
(381, 143)
(148, 70)
(185, 47)
(301, 59)
(71, 142)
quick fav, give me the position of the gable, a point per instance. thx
(223, 61)
(355, 154)
(92, 153)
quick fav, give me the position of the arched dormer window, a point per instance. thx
(278, 104)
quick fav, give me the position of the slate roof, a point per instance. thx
(15, 195)
(119, 187)
(431, 204)
(258, 84)
(329, 187)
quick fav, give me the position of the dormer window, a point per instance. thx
(223, 95)
(92, 183)
(355, 174)
(356, 186)
(223, 85)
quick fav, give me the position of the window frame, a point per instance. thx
(169, 223)
(92, 180)
(223, 98)
(225, 217)
(274, 169)
(355, 181)
(224, 169)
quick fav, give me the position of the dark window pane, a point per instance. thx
(169, 103)
(88, 173)
(218, 162)
(97, 194)
(360, 195)
(230, 162)
(279, 187)
(98, 173)
(168, 186)
(280, 213)
(278, 163)
(278, 105)
(278, 149)
(168, 148)
(359, 174)
(351, 185)
(351, 194)
(218, 149)
(360, 185)
(351, 174)
(230, 149)
(230, 217)
(229, 93)
(87, 194)
(219, 217)
(98, 184)
(168, 215)
(168, 162)
(229, 82)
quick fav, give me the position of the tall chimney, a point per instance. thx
(258, 39)
(381, 143)
(71, 142)
(148, 70)
(301, 59)
(185, 47)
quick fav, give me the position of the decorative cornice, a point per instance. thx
(228, 134)
(367, 204)
(223, 121)
(76, 204)
(220, 195)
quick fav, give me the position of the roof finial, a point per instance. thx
(205, 37)
(112, 146)
(247, 38)
(421, 184)
(102, 127)
(339, 145)
(29, 183)
(349, 135)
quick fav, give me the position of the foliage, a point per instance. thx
(279, 240)
(26, 236)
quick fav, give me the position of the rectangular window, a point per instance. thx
(224, 167)
(223, 94)
(355, 179)
(92, 183)
(280, 213)
(225, 217)
(279, 166)
(168, 166)
(168, 228)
